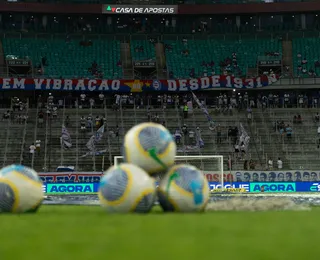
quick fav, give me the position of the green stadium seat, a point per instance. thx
(68, 59)
(216, 50)
(147, 53)
(309, 49)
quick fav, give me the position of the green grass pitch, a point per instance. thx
(88, 233)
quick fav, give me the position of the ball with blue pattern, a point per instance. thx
(184, 188)
(126, 188)
(20, 169)
(114, 184)
(154, 138)
(21, 190)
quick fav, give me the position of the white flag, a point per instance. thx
(65, 138)
(91, 145)
(244, 137)
(99, 134)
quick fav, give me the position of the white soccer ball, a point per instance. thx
(127, 188)
(184, 188)
(149, 146)
(21, 189)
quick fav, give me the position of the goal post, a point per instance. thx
(210, 165)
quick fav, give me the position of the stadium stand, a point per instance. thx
(306, 57)
(212, 56)
(142, 50)
(68, 58)
(266, 142)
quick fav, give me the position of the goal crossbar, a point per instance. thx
(116, 160)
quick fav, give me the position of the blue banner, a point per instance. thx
(89, 188)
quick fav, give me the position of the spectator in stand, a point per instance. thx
(97, 122)
(252, 165)
(54, 112)
(82, 123)
(249, 114)
(40, 118)
(177, 136)
(67, 121)
(185, 133)
(246, 165)
(156, 118)
(82, 100)
(299, 119)
(91, 102)
(289, 131)
(192, 138)
(38, 146)
(19, 119)
(117, 132)
(279, 163)
(32, 150)
(24, 119)
(317, 117)
(236, 150)
(219, 139)
(148, 114)
(243, 150)
(270, 164)
(185, 111)
(101, 99)
(6, 115)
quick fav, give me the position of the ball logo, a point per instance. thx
(156, 85)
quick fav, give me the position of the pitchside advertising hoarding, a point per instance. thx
(293, 181)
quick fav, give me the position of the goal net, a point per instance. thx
(210, 165)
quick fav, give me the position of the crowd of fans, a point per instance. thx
(185, 136)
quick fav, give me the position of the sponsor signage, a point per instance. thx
(273, 187)
(139, 9)
(79, 188)
(254, 187)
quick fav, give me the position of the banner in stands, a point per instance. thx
(70, 177)
(212, 176)
(265, 176)
(89, 188)
(182, 85)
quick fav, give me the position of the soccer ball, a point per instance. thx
(149, 146)
(127, 188)
(184, 188)
(21, 189)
